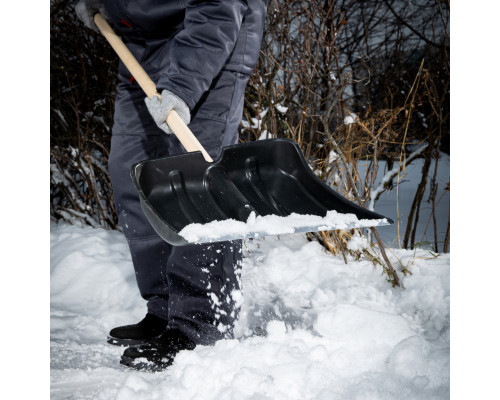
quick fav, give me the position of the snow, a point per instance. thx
(358, 243)
(311, 326)
(282, 109)
(396, 204)
(393, 173)
(255, 123)
(257, 226)
(350, 119)
(332, 157)
(263, 135)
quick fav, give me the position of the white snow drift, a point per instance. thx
(311, 326)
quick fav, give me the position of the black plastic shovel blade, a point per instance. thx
(267, 177)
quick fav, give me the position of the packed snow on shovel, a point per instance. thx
(258, 226)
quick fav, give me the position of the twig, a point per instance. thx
(358, 198)
(389, 176)
(415, 207)
(386, 259)
(447, 237)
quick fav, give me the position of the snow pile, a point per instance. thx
(255, 123)
(311, 326)
(263, 135)
(281, 109)
(257, 226)
(350, 119)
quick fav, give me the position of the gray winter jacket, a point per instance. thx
(184, 44)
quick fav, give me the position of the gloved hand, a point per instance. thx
(86, 9)
(159, 109)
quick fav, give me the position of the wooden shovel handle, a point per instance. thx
(180, 129)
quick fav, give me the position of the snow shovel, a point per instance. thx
(253, 189)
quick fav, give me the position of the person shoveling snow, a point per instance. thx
(201, 71)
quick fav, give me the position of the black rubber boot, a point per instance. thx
(159, 354)
(150, 328)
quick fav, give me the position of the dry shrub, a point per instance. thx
(354, 83)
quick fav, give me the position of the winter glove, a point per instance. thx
(86, 9)
(159, 109)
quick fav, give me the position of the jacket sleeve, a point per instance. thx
(200, 50)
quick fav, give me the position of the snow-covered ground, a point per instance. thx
(311, 327)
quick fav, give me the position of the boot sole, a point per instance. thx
(147, 366)
(130, 342)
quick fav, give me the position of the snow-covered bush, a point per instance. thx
(81, 113)
(80, 188)
(354, 83)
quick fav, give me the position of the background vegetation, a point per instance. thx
(353, 82)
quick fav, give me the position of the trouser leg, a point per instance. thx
(204, 290)
(197, 286)
(148, 251)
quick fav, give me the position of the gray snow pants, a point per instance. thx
(194, 287)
